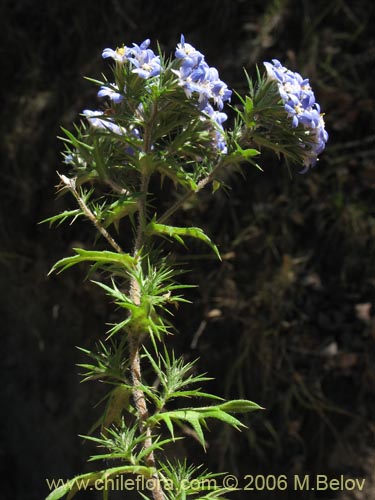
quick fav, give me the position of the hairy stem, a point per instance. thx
(116, 187)
(135, 344)
(71, 185)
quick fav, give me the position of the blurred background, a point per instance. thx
(286, 320)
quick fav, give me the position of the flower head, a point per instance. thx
(146, 63)
(299, 102)
(144, 60)
(196, 76)
(120, 54)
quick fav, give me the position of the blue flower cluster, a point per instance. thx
(146, 63)
(299, 103)
(195, 76)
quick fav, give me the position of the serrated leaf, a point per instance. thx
(97, 257)
(153, 228)
(198, 416)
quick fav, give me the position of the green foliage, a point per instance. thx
(122, 207)
(174, 375)
(63, 216)
(103, 260)
(153, 228)
(197, 417)
(109, 363)
(190, 482)
(125, 443)
(156, 293)
(141, 317)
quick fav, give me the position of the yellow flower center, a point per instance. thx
(121, 50)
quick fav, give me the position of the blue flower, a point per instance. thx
(120, 54)
(188, 53)
(106, 123)
(299, 102)
(114, 96)
(146, 63)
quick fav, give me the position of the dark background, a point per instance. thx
(285, 320)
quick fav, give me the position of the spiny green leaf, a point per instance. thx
(198, 416)
(153, 228)
(97, 257)
(59, 218)
(74, 141)
(118, 210)
(156, 445)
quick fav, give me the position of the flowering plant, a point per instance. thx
(161, 121)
